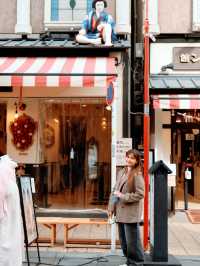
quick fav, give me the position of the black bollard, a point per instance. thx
(160, 238)
(186, 194)
(159, 217)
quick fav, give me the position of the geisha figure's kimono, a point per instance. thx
(91, 22)
(11, 234)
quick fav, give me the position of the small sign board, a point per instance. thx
(186, 58)
(122, 146)
(110, 94)
(188, 174)
(172, 176)
(189, 137)
(26, 187)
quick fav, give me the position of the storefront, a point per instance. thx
(175, 132)
(60, 119)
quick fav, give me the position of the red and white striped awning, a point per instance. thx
(180, 101)
(57, 71)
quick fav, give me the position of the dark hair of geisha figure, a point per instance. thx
(95, 1)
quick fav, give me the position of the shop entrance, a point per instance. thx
(77, 153)
(186, 152)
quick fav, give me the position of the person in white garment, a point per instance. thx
(11, 234)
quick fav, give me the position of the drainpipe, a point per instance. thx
(133, 60)
(146, 130)
(23, 25)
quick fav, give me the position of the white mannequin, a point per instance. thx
(11, 236)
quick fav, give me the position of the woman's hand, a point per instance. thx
(110, 214)
(118, 193)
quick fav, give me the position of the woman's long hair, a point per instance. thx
(136, 169)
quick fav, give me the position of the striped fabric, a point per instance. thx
(180, 101)
(57, 71)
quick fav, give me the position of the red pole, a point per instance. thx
(146, 127)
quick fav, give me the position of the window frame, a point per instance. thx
(196, 15)
(58, 25)
(154, 27)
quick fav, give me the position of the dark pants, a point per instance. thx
(129, 236)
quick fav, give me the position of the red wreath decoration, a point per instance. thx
(23, 129)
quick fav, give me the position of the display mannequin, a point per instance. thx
(11, 236)
(98, 26)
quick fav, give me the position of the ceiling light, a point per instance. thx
(108, 107)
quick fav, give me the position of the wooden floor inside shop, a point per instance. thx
(193, 202)
(79, 199)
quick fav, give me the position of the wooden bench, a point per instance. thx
(70, 223)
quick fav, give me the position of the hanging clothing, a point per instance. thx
(11, 234)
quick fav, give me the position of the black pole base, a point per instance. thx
(172, 261)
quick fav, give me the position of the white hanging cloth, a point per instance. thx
(11, 236)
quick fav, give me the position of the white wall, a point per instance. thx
(162, 137)
(32, 154)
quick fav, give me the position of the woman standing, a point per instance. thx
(126, 204)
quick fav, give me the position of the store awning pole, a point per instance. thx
(146, 126)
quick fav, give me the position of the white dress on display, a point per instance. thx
(11, 236)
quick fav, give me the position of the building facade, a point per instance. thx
(174, 88)
(63, 105)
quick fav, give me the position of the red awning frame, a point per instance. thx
(178, 101)
(57, 71)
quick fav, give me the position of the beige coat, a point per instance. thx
(129, 208)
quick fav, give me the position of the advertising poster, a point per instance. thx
(28, 208)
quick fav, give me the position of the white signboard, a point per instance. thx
(189, 137)
(172, 176)
(188, 174)
(122, 146)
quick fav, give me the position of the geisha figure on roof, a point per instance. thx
(98, 27)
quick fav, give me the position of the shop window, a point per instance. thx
(196, 15)
(64, 13)
(76, 146)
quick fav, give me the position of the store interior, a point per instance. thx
(185, 125)
(75, 143)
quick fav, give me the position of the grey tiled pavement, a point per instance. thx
(77, 259)
(101, 259)
(184, 244)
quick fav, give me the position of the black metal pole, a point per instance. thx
(131, 107)
(186, 194)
